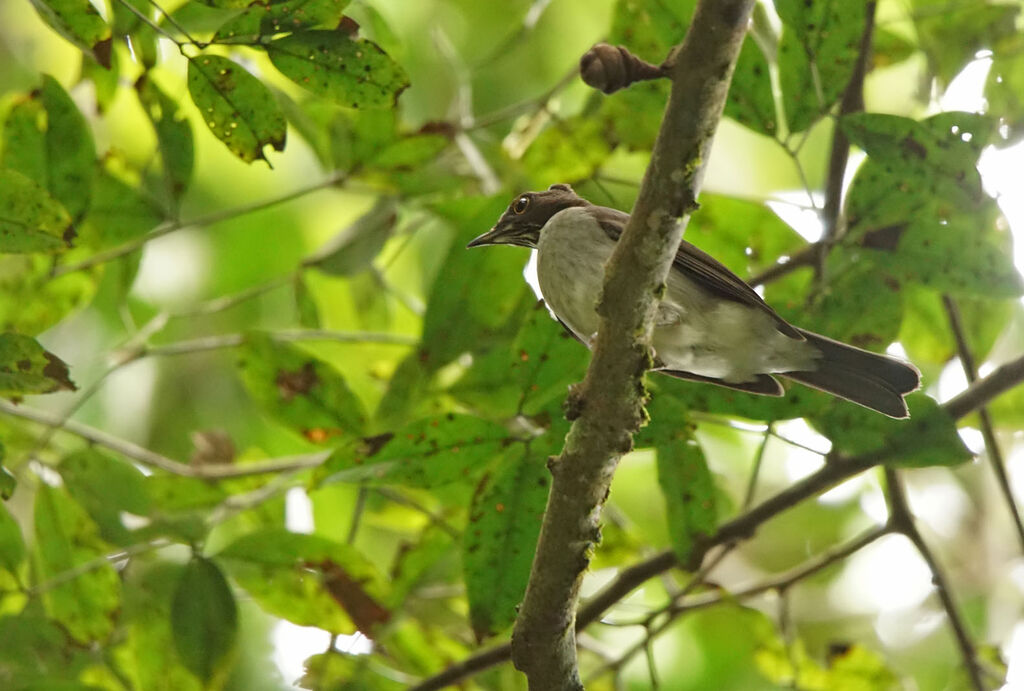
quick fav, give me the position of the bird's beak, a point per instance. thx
(491, 237)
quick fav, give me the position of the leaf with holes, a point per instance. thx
(204, 619)
(300, 390)
(236, 106)
(47, 139)
(261, 19)
(501, 537)
(79, 22)
(425, 453)
(27, 368)
(352, 72)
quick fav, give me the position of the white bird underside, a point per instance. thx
(695, 331)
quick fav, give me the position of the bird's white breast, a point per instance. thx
(571, 255)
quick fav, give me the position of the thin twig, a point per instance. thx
(902, 520)
(155, 460)
(755, 471)
(988, 433)
(216, 217)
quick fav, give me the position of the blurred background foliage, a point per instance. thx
(254, 382)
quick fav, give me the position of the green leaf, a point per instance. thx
(925, 332)
(65, 539)
(30, 219)
(308, 580)
(409, 152)
(47, 139)
(569, 149)
(119, 212)
(79, 22)
(106, 81)
(689, 492)
(37, 655)
(928, 438)
(352, 72)
(889, 48)
(27, 368)
(261, 19)
(501, 537)
(30, 299)
(8, 482)
(1004, 87)
(173, 134)
(300, 391)
(649, 28)
(204, 619)
(236, 106)
(12, 545)
(305, 304)
(952, 35)
(105, 487)
(425, 453)
(148, 657)
(477, 294)
(751, 102)
(354, 248)
(530, 377)
(817, 53)
(344, 672)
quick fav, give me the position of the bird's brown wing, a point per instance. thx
(702, 268)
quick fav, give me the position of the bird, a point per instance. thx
(710, 325)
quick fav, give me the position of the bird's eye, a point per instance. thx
(519, 206)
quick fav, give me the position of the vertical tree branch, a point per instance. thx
(988, 432)
(608, 405)
(901, 519)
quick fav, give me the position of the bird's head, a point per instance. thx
(526, 215)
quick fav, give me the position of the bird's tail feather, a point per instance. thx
(872, 380)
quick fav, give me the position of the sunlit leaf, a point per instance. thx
(336, 670)
(79, 22)
(689, 492)
(952, 35)
(308, 580)
(261, 19)
(300, 390)
(501, 537)
(30, 299)
(426, 453)
(204, 619)
(1004, 87)
(65, 539)
(27, 368)
(173, 134)
(567, 150)
(352, 72)
(47, 139)
(925, 333)
(30, 219)
(236, 106)
(148, 656)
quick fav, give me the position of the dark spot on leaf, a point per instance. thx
(299, 382)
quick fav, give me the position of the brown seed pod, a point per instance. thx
(610, 68)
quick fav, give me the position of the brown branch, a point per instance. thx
(988, 432)
(1000, 380)
(902, 520)
(744, 525)
(608, 405)
(153, 459)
